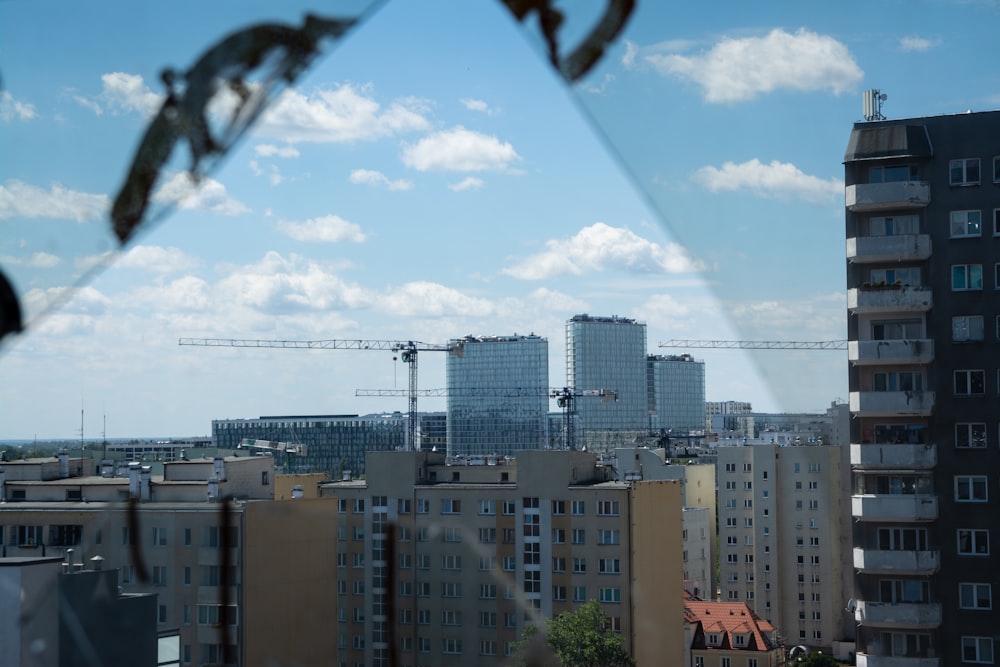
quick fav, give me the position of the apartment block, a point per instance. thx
(922, 217)
(443, 561)
(780, 544)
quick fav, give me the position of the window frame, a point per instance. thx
(969, 429)
(967, 323)
(973, 588)
(968, 393)
(962, 218)
(977, 644)
(967, 486)
(964, 179)
(975, 536)
(970, 284)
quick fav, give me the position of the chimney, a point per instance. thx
(67, 564)
(220, 469)
(144, 485)
(134, 470)
(213, 489)
(63, 464)
(97, 563)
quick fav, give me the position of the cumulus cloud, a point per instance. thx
(78, 310)
(37, 260)
(915, 43)
(325, 229)
(341, 114)
(477, 105)
(631, 51)
(269, 150)
(736, 70)
(601, 247)
(556, 301)
(469, 183)
(207, 194)
(185, 294)
(157, 259)
(377, 179)
(279, 284)
(12, 109)
(777, 179)
(122, 92)
(459, 149)
(21, 200)
(427, 299)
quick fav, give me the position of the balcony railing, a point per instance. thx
(902, 248)
(870, 352)
(886, 196)
(904, 615)
(892, 403)
(897, 562)
(866, 660)
(889, 299)
(906, 457)
(894, 507)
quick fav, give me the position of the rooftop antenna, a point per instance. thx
(871, 102)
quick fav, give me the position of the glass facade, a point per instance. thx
(607, 353)
(676, 392)
(497, 395)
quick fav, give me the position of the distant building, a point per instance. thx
(444, 561)
(676, 393)
(498, 390)
(782, 548)
(729, 417)
(922, 219)
(608, 353)
(729, 634)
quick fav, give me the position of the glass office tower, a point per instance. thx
(497, 394)
(676, 393)
(607, 353)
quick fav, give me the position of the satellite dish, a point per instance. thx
(883, 97)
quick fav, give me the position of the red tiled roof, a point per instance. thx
(728, 619)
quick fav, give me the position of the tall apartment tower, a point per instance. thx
(780, 546)
(923, 228)
(497, 395)
(608, 353)
(676, 392)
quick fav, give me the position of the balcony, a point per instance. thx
(892, 403)
(896, 562)
(906, 615)
(897, 457)
(870, 352)
(894, 507)
(865, 197)
(865, 660)
(902, 248)
(889, 299)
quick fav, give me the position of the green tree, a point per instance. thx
(816, 659)
(578, 638)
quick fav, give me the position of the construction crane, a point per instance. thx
(406, 349)
(565, 398)
(287, 449)
(758, 344)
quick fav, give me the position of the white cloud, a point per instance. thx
(377, 179)
(426, 299)
(477, 105)
(79, 309)
(736, 70)
(631, 51)
(556, 301)
(128, 92)
(339, 115)
(469, 183)
(206, 195)
(325, 229)
(459, 149)
(38, 260)
(601, 247)
(777, 179)
(21, 200)
(185, 294)
(915, 43)
(11, 109)
(156, 259)
(269, 150)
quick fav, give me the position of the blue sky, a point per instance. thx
(430, 178)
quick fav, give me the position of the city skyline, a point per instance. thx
(369, 203)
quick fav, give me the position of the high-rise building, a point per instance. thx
(608, 353)
(781, 544)
(444, 563)
(922, 223)
(676, 393)
(497, 395)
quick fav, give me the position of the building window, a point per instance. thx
(607, 508)
(451, 646)
(971, 489)
(996, 168)
(159, 575)
(579, 536)
(897, 381)
(966, 223)
(487, 591)
(578, 506)
(452, 534)
(487, 647)
(423, 505)
(558, 536)
(970, 383)
(966, 277)
(904, 276)
(66, 535)
(607, 537)
(975, 596)
(559, 593)
(451, 506)
(977, 649)
(964, 171)
(487, 535)
(609, 566)
(965, 328)
(559, 564)
(558, 507)
(579, 594)
(579, 565)
(973, 542)
(509, 507)
(894, 226)
(451, 562)
(611, 595)
(509, 563)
